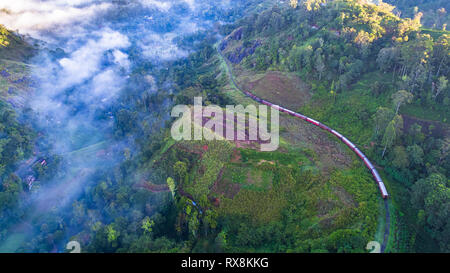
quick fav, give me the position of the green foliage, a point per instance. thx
(315, 214)
(111, 233)
(147, 225)
(171, 184)
(434, 11)
(209, 167)
(431, 196)
(180, 169)
(16, 144)
(13, 47)
(401, 97)
(4, 33)
(415, 154)
(357, 56)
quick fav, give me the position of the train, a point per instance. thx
(369, 165)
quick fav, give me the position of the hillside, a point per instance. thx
(337, 182)
(104, 169)
(15, 74)
(13, 47)
(435, 12)
(16, 141)
(378, 79)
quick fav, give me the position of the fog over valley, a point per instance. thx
(224, 126)
(87, 54)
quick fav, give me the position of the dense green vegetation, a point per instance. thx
(250, 201)
(16, 143)
(280, 195)
(13, 47)
(377, 78)
(435, 12)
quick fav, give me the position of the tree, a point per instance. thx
(441, 86)
(147, 225)
(4, 33)
(401, 97)
(415, 154)
(415, 132)
(210, 219)
(193, 223)
(388, 137)
(387, 58)
(392, 131)
(125, 121)
(112, 234)
(363, 40)
(346, 241)
(432, 195)
(294, 3)
(400, 158)
(171, 184)
(440, 53)
(382, 117)
(180, 169)
(320, 65)
(312, 5)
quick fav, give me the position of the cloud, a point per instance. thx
(161, 5)
(105, 86)
(95, 81)
(32, 17)
(85, 61)
(161, 46)
(158, 46)
(77, 94)
(191, 4)
(121, 59)
(165, 6)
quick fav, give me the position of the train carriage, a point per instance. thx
(383, 190)
(337, 134)
(310, 120)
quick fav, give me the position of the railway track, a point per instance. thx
(352, 146)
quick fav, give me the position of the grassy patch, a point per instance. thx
(350, 112)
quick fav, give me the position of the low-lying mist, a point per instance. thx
(88, 51)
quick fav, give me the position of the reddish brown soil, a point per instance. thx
(438, 129)
(279, 88)
(153, 187)
(225, 187)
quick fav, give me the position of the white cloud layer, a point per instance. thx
(31, 16)
(166, 5)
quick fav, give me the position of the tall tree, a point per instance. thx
(415, 153)
(382, 117)
(320, 65)
(393, 130)
(401, 97)
(171, 184)
(389, 137)
(432, 195)
(441, 86)
(400, 157)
